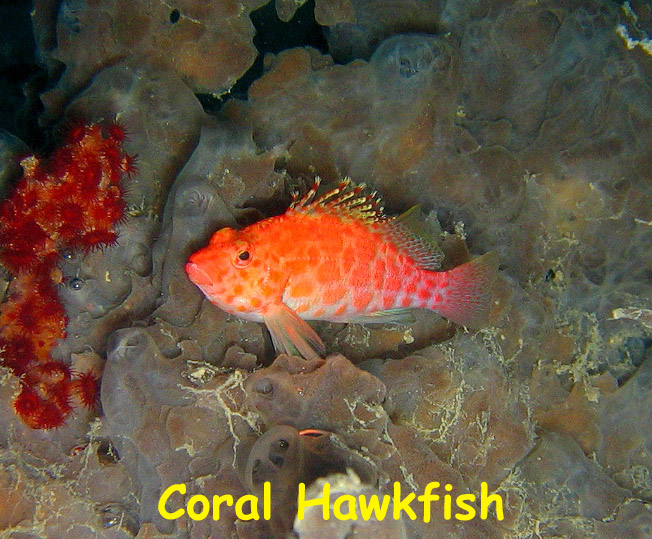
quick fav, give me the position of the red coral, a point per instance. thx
(87, 389)
(69, 217)
(117, 132)
(72, 200)
(39, 412)
(129, 165)
(17, 353)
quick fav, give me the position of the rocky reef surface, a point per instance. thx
(519, 127)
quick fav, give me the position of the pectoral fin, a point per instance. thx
(292, 335)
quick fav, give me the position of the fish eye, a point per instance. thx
(243, 257)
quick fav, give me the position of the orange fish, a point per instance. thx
(336, 258)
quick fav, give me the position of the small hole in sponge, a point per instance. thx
(175, 16)
(277, 460)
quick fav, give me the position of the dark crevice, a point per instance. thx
(272, 35)
(21, 78)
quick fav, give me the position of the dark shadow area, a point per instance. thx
(272, 35)
(20, 76)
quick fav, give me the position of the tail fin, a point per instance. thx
(468, 299)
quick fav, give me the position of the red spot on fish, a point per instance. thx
(333, 295)
(362, 299)
(336, 272)
(393, 282)
(378, 271)
(324, 275)
(302, 289)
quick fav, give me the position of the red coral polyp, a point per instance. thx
(24, 244)
(96, 239)
(68, 192)
(28, 197)
(77, 133)
(87, 389)
(28, 403)
(18, 353)
(72, 200)
(51, 372)
(62, 163)
(113, 156)
(27, 319)
(70, 219)
(19, 260)
(129, 164)
(46, 292)
(38, 412)
(117, 132)
(91, 172)
(50, 416)
(110, 213)
(61, 395)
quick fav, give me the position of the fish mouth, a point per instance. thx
(197, 275)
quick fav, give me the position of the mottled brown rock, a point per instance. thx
(356, 27)
(174, 421)
(330, 394)
(16, 507)
(209, 45)
(459, 397)
(623, 418)
(561, 489)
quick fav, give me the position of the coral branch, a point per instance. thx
(72, 200)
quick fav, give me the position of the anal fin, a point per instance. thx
(390, 316)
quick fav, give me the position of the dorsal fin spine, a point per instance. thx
(305, 201)
(346, 198)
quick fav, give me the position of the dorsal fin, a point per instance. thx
(345, 199)
(411, 234)
(408, 231)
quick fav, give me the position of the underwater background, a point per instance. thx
(519, 127)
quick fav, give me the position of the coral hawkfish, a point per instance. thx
(337, 257)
